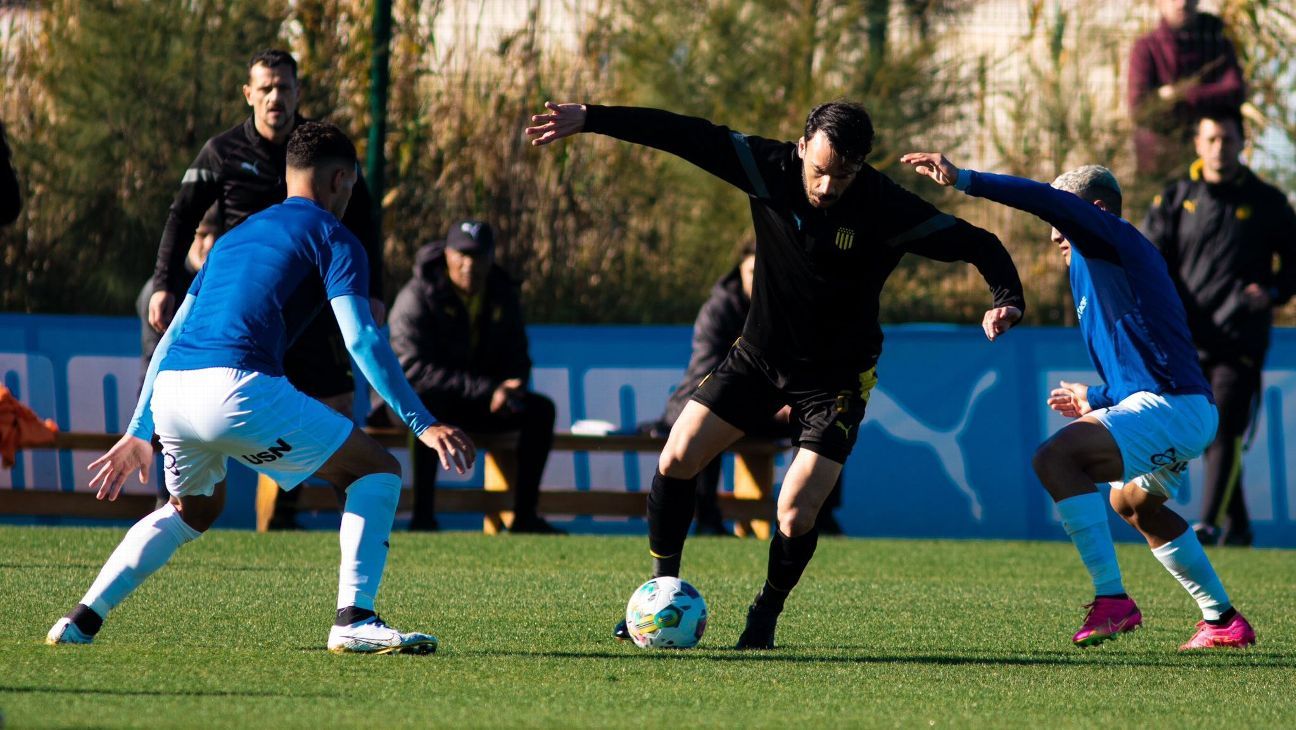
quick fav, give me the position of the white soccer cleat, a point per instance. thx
(372, 636)
(66, 632)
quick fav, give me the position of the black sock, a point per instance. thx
(86, 619)
(788, 558)
(670, 512)
(352, 615)
(1224, 617)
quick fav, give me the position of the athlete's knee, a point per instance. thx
(796, 520)
(200, 513)
(1050, 458)
(385, 463)
(677, 463)
(1121, 505)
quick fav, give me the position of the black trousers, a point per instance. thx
(1236, 385)
(533, 419)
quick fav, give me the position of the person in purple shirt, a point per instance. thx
(1138, 428)
(1182, 69)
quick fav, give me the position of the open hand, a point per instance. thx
(129, 454)
(1070, 399)
(933, 165)
(451, 445)
(999, 320)
(563, 120)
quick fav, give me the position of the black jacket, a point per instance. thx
(243, 173)
(432, 336)
(819, 273)
(719, 323)
(10, 199)
(1217, 239)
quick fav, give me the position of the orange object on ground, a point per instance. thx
(20, 428)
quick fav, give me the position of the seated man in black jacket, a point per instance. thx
(719, 323)
(457, 329)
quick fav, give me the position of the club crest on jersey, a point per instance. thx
(845, 238)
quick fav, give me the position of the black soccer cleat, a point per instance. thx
(620, 632)
(759, 633)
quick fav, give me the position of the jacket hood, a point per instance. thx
(428, 259)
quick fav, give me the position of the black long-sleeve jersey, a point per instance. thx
(243, 173)
(819, 273)
(1218, 239)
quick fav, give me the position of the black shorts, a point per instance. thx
(828, 403)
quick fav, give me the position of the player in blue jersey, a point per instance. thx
(215, 390)
(1140, 426)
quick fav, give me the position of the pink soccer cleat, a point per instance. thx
(1237, 633)
(1107, 617)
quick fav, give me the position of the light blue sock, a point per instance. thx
(366, 526)
(148, 545)
(1085, 519)
(1187, 562)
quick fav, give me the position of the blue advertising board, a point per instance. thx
(944, 450)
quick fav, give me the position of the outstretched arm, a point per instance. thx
(376, 360)
(954, 239)
(740, 160)
(1089, 228)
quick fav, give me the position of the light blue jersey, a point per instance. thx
(259, 288)
(1130, 314)
(263, 283)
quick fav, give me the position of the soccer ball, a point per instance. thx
(666, 613)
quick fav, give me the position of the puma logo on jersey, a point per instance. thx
(274, 453)
(250, 167)
(845, 427)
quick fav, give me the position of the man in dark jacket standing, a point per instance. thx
(1220, 229)
(1184, 68)
(241, 171)
(457, 329)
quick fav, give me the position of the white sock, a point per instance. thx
(366, 526)
(147, 546)
(1085, 519)
(1187, 562)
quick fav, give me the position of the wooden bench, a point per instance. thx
(751, 506)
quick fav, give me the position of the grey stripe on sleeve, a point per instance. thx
(749, 164)
(195, 174)
(936, 223)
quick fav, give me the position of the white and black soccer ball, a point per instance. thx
(666, 613)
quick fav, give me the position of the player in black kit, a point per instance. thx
(829, 231)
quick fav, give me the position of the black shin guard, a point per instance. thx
(670, 512)
(788, 558)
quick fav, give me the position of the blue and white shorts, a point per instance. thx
(1157, 436)
(202, 417)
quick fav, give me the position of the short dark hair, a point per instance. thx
(1219, 117)
(272, 57)
(316, 144)
(847, 124)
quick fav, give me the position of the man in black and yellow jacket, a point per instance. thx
(458, 332)
(1220, 229)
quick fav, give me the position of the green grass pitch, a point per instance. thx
(880, 633)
